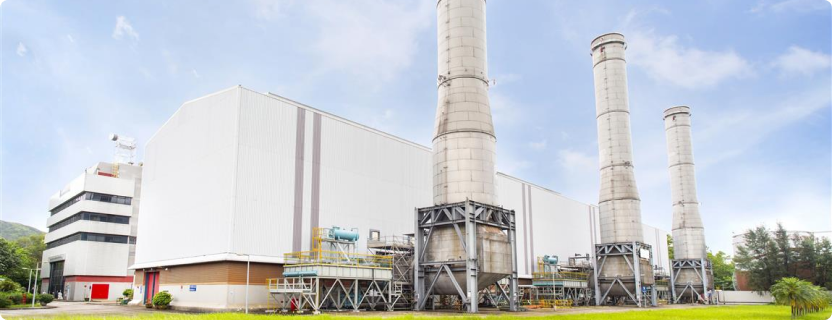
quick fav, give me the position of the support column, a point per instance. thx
(418, 274)
(513, 298)
(471, 267)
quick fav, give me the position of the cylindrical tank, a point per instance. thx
(464, 143)
(343, 234)
(688, 230)
(619, 203)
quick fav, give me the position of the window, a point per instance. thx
(91, 216)
(86, 236)
(93, 196)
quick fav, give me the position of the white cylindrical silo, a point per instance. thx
(688, 231)
(464, 144)
(619, 203)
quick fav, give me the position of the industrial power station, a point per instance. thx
(253, 201)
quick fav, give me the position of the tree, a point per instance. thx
(723, 269)
(768, 256)
(670, 247)
(758, 257)
(33, 245)
(801, 296)
(823, 270)
(10, 260)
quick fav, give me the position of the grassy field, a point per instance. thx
(712, 313)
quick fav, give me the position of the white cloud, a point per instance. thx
(572, 160)
(798, 6)
(538, 145)
(664, 59)
(196, 74)
(800, 61)
(21, 49)
(732, 133)
(579, 179)
(124, 30)
(270, 9)
(372, 39)
(70, 38)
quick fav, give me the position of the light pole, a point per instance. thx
(35, 286)
(29, 286)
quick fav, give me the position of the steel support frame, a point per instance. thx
(702, 267)
(338, 294)
(630, 252)
(469, 215)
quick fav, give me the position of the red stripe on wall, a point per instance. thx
(98, 279)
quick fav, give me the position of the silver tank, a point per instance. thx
(464, 143)
(688, 230)
(619, 203)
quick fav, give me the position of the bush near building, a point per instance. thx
(162, 300)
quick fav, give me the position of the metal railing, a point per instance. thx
(336, 258)
(583, 276)
(289, 284)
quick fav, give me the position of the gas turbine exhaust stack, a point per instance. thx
(623, 261)
(465, 242)
(691, 271)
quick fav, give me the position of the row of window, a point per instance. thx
(91, 216)
(94, 196)
(86, 236)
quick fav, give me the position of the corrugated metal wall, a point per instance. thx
(298, 168)
(188, 180)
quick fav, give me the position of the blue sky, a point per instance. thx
(756, 74)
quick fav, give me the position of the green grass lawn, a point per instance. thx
(712, 313)
(23, 306)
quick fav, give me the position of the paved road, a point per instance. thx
(75, 308)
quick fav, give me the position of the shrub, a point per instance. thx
(162, 300)
(5, 302)
(128, 293)
(9, 286)
(45, 298)
(15, 297)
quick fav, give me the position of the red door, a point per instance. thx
(100, 291)
(151, 286)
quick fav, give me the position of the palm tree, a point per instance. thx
(801, 296)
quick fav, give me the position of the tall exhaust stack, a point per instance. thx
(688, 230)
(464, 144)
(619, 203)
(476, 253)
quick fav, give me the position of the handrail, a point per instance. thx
(560, 276)
(337, 258)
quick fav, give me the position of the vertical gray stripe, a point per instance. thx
(531, 229)
(525, 227)
(316, 170)
(297, 224)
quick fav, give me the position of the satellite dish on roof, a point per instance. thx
(113, 137)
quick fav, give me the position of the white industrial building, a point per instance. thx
(238, 176)
(92, 234)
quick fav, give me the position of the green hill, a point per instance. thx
(12, 230)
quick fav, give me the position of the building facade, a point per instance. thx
(92, 234)
(239, 176)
